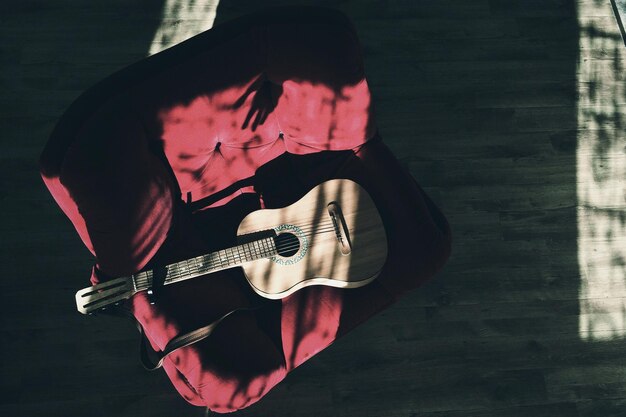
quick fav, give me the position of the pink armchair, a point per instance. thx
(162, 160)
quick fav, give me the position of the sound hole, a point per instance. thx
(287, 244)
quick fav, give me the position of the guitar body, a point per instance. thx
(332, 236)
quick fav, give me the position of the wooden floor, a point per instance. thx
(508, 112)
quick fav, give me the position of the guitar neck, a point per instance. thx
(205, 264)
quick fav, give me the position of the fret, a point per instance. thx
(215, 259)
(210, 260)
(228, 256)
(147, 283)
(140, 281)
(268, 249)
(195, 264)
(171, 271)
(249, 254)
(182, 268)
(222, 260)
(256, 248)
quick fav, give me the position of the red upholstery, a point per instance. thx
(251, 114)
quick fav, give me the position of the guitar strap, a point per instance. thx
(151, 359)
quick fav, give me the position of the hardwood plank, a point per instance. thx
(493, 105)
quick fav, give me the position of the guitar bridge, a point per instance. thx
(341, 229)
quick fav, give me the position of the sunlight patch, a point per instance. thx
(601, 174)
(182, 19)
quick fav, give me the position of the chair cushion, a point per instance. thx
(161, 161)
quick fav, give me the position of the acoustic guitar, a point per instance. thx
(332, 236)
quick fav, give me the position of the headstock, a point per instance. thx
(100, 296)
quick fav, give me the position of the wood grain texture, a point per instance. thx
(478, 98)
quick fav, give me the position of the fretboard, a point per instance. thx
(211, 262)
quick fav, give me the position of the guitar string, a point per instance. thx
(188, 268)
(304, 227)
(252, 251)
(191, 267)
(310, 226)
(230, 256)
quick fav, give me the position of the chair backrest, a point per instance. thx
(197, 121)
